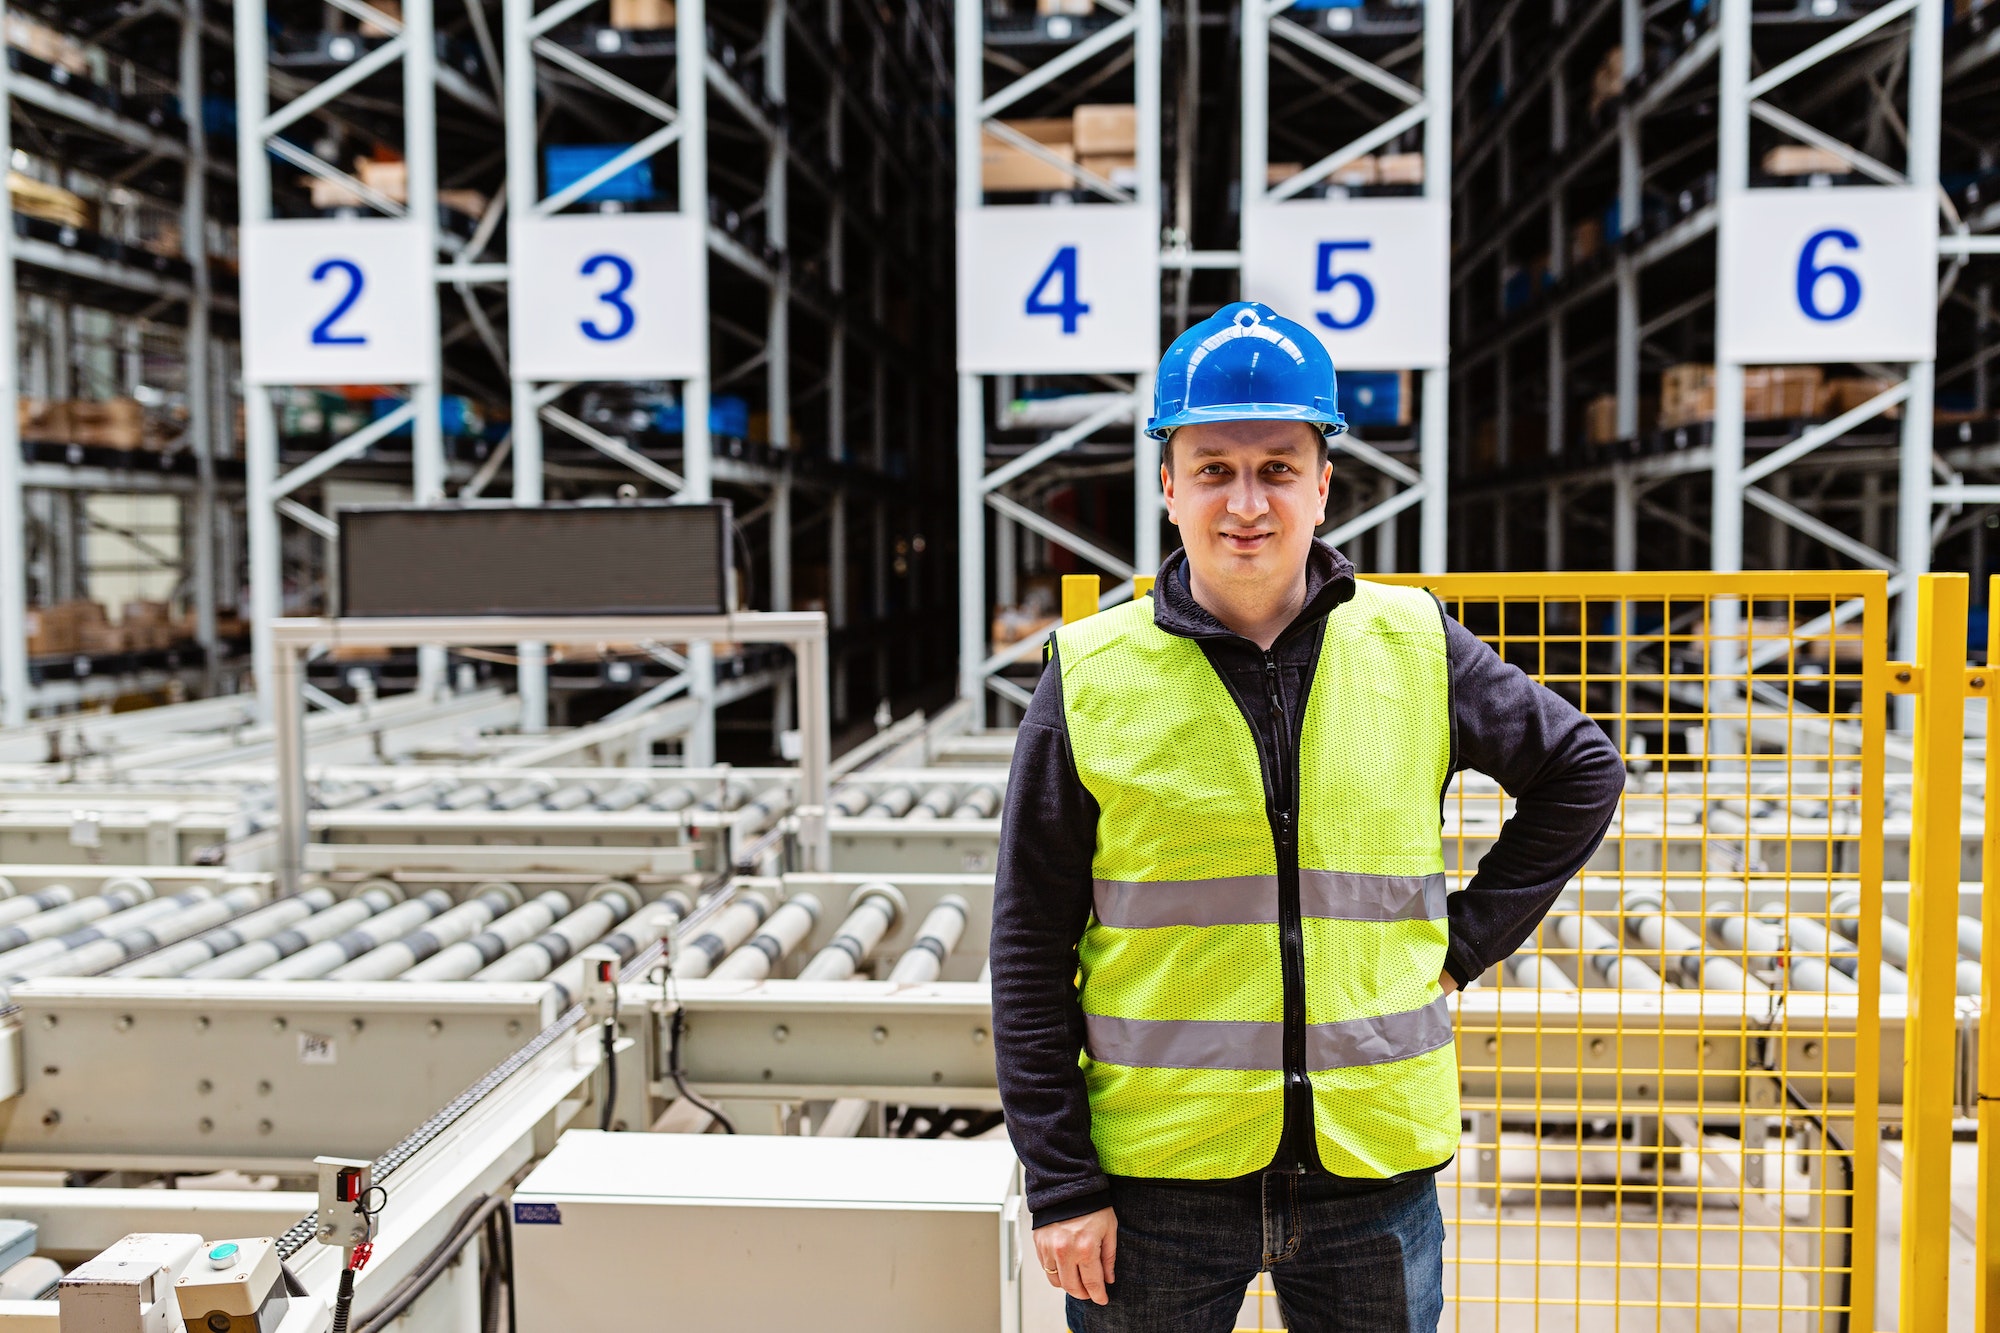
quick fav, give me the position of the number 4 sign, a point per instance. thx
(616, 297)
(337, 302)
(1828, 275)
(1367, 275)
(1051, 289)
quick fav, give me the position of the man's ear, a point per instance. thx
(1325, 485)
(1167, 492)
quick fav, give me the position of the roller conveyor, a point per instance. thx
(253, 957)
(609, 904)
(191, 913)
(397, 956)
(460, 960)
(257, 925)
(368, 935)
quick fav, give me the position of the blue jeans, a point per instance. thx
(1368, 1263)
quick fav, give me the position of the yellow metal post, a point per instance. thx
(1986, 1274)
(1079, 597)
(1931, 1035)
(1142, 584)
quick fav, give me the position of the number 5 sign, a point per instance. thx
(1367, 275)
(1058, 289)
(1828, 275)
(337, 302)
(607, 298)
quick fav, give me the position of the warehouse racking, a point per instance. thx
(1605, 146)
(120, 351)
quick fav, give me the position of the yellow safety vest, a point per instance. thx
(1181, 964)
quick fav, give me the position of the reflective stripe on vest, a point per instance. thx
(1181, 971)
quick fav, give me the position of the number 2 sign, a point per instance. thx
(1058, 289)
(1828, 275)
(337, 302)
(608, 297)
(1367, 275)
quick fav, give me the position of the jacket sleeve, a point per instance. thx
(1041, 902)
(1565, 776)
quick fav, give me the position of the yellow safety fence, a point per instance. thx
(1681, 1095)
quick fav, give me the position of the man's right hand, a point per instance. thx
(1079, 1255)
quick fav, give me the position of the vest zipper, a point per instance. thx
(1291, 934)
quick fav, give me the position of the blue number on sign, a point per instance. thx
(1329, 281)
(615, 298)
(1811, 271)
(1061, 269)
(323, 334)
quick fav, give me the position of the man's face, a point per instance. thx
(1246, 496)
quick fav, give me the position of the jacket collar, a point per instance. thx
(1329, 582)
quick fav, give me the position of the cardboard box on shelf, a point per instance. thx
(1844, 393)
(472, 203)
(1360, 171)
(46, 44)
(1687, 394)
(1798, 159)
(330, 194)
(44, 420)
(391, 178)
(1110, 127)
(51, 203)
(642, 15)
(392, 9)
(1004, 167)
(71, 627)
(1586, 241)
(1780, 393)
(119, 423)
(1073, 8)
(1399, 169)
(1275, 172)
(1121, 169)
(1609, 79)
(1600, 419)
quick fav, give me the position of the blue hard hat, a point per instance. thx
(1246, 362)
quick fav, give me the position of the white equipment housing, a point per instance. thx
(883, 1235)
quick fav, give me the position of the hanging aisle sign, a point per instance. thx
(347, 301)
(607, 297)
(1058, 290)
(1369, 276)
(1818, 275)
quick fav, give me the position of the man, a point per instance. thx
(1221, 938)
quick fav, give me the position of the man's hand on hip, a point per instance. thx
(1080, 1255)
(1447, 982)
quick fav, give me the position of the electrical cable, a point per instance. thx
(345, 1301)
(610, 1074)
(420, 1280)
(679, 1076)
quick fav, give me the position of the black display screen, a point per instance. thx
(481, 559)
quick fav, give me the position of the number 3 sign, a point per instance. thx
(337, 302)
(616, 297)
(1367, 275)
(1058, 289)
(1828, 275)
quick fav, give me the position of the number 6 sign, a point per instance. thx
(1367, 275)
(614, 297)
(337, 302)
(1828, 275)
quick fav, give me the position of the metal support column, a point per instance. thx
(13, 518)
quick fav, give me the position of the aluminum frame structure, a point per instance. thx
(981, 487)
(803, 631)
(74, 109)
(1735, 484)
(1846, 75)
(1427, 109)
(683, 126)
(412, 45)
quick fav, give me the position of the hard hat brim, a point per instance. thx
(1329, 423)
